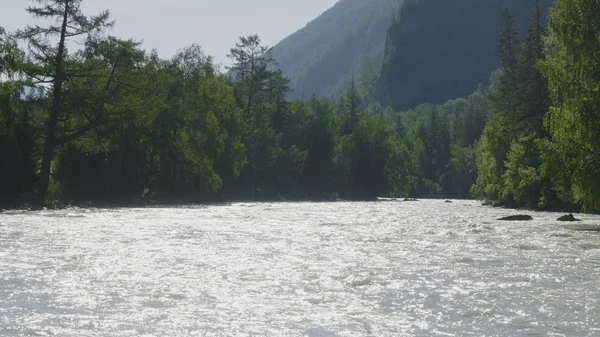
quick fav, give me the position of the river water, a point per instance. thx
(424, 268)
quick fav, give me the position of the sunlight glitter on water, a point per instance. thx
(423, 268)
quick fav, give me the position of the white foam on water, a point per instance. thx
(424, 268)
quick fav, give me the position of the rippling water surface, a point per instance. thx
(424, 268)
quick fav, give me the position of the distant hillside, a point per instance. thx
(438, 50)
(350, 37)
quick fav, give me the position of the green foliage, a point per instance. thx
(400, 169)
(260, 92)
(438, 142)
(174, 135)
(572, 67)
(111, 123)
(491, 154)
(508, 156)
(49, 62)
(461, 173)
(345, 158)
(469, 118)
(17, 146)
(521, 178)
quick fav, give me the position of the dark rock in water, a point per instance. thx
(520, 217)
(568, 217)
(448, 201)
(410, 199)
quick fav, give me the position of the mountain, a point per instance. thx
(438, 50)
(347, 39)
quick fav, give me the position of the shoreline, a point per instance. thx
(173, 203)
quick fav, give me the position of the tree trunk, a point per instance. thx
(49, 146)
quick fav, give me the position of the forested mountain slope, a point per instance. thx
(438, 50)
(350, 37)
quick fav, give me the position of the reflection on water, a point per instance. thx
(424, 268)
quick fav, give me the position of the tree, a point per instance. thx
(491, 154)
(572, 68)
(11, 57)
(352, 108)
(17, 131)
(533, 87)
(260, 93)
(251, 60)
(506, 97)
(521, 179)
(52, 64)
(318, 138)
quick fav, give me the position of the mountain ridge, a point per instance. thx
(321, 57)
(437, 51)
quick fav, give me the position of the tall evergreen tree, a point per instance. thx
(509, 49)
(260, 92)
(52, 64)
(352, 107)
(533, 87)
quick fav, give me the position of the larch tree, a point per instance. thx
(49, 62)
(251, 60)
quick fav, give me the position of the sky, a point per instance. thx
(169, 25)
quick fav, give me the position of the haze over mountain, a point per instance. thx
(439, 50)
(348, 38)
(435, 50)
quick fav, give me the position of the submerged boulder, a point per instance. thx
(448, 201)
(519, 217)
(568, 217)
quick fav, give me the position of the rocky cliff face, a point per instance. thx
(348, 38)
(437, 50)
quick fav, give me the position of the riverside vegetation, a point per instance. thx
(111, 122)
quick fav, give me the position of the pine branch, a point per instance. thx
(44, 12)
(92, 123)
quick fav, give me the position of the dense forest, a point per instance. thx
(112, 123)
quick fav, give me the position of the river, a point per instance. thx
(425, 268)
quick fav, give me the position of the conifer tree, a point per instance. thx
(533, 88)
(50, 62)
(509, 48)
(352, 108)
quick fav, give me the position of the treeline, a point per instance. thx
(539, 148)
(530, 138)
(112, 123)
(486, 146)
(441, 139)
(510, 150)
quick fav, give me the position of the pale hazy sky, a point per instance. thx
(168, 25)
